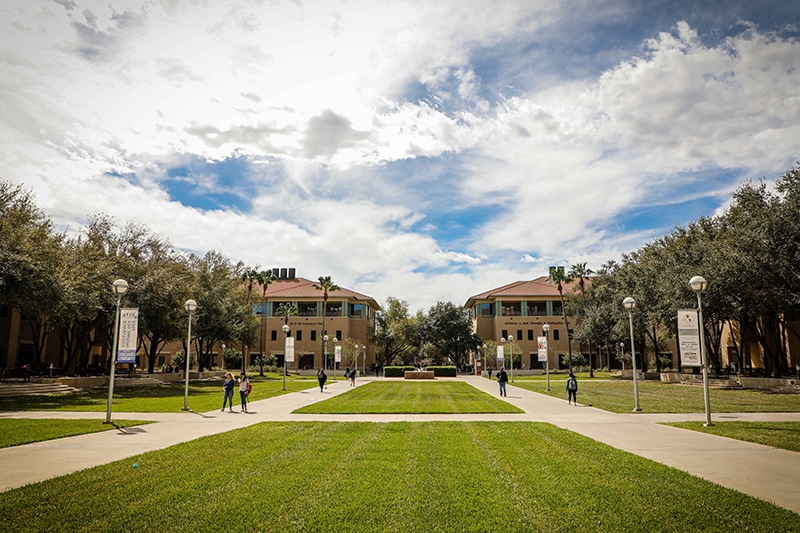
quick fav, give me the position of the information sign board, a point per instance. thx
(689, 335)
(542, 341)
(289, 356)
(128, 335)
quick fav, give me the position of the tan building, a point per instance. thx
(520, 309)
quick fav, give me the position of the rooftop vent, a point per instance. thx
(284, 273)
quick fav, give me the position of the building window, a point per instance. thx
(274, 334)
(505, 334)
(356, 309)
(161, 360)
(555, 334)
(299, 335)
(339, 334)
(313, 334)
(519, 334)
(511, 308)
(557, 309)
(487, 309)
(537, 308)
(276, 305)
(307, 309)
(530, 334)
(258, 308)
(334, 309)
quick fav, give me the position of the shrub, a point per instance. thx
(443, 371)
(396, 371)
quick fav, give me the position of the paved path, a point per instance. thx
(760, 471)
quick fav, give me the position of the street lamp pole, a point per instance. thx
(503, 341)
(511, 349)
(364, 347)
(546, 331)
(335, 343)
(698, 284)
(120, 287)
(629, 303)
(190, 306)
(285, 330)
(325, 342)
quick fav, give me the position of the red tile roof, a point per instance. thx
(304, 288)
(535, 287)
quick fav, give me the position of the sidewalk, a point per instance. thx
(761, 471)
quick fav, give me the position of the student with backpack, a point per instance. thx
(572, 389)
(322, 377)
(244, 390)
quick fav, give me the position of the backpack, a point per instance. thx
(249, 387)
(572, 384)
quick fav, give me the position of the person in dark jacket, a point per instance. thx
(227, 388)
(572, 389)
(502, 379)
(322, 377)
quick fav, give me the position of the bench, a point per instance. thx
(17, 373)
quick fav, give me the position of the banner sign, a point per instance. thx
(337, 354)
(542, 341)
(128, 335)
(689, 335)
(500, 357)
(289, 355)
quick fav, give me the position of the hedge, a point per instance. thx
(396, 371)
(443, 371)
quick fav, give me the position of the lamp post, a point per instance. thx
(479, 371)
(546, 331)
(364, 347)
(325, 350)
(285, 329)
(120, 287)
(629, 303)
(698, 284)
(335, 343)
(190, 306)
(503, 342)
(511, 349)
(222, 356)
(621, 353)
(355, 358)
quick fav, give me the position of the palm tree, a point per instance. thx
(558, 277)
(265, 279)
(286, 310)
(580, 272)
(326, 285)
(250, 277)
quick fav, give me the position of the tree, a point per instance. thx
(264, 279)
(558, 278)
(448, 328)
(395, 334)
(325, 285)
(581, 272)
(286, 310)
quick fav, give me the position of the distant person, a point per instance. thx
(572, 389)
(227, 388)
(502, 379)
(353, 378)
(322, 377)
(490, 373)
(244, 390)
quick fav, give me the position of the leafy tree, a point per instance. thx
(448, 328)
(395, 334)
(232, 357)
(581, 272)
(264, 279)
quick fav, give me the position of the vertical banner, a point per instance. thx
(689, 334)
(542, 341)
(128, 335)
(500, 357)
(289, 355)
(337, 354)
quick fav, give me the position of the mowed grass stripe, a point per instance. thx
(18, 431)
(658, 397)
(382, 397)
(416, 477)
(785, 435)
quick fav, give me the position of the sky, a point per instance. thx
(427, 150)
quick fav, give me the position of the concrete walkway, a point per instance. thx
(761, 471)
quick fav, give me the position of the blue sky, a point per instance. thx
(424, 150)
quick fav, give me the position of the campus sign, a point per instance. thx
(689, 335)
(128, 335)
(289, 355)
(337, 354)
(542, 341)
(500, 358)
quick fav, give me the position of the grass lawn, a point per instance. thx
(784, 435)
(561, 376)
(203, 396)
(396, 477)
(16, 431)
(658, 397)
(411, 397)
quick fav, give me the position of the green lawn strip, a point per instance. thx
(560, 376)
(658, 397)
(397, 477)
(269, 376)
(784, 435)
(203, 396)
(17, 431)
(411, 397)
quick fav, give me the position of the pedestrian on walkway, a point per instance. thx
(227, 388)
(353, 378)
(572, 389)
(322, 377)
(490, 373)
(502, 379)
(244, 390)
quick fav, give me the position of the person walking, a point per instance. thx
(502, 379)
(490, 373)
(322, 377)
(227, 388)
(572, 389)
(244, 390)
(353, 378)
